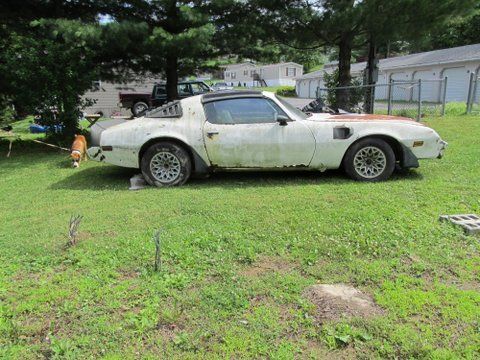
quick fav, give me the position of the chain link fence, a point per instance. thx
(414, 99)
(473, 100)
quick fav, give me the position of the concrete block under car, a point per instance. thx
(469, 222)
(137, 182)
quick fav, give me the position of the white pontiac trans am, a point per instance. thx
(258, 130)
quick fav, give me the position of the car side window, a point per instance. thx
(199, 88)
(243, 111)
(184, 90)
(161, 90)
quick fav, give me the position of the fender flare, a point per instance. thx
(199, 165)
(403, 154)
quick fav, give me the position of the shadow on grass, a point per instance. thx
(96, 178)
(112, 177)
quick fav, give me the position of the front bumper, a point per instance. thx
(442, 145)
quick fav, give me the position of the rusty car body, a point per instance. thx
(256, 130)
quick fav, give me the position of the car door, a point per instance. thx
(245, 133)
(199, 88)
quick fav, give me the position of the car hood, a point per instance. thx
(361, 117)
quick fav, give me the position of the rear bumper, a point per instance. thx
(125, 104)
(124, 157)
(95, 153)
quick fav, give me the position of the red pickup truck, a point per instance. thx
(139, 103)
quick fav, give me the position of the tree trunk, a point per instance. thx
(172, 78)
(372, 72)
(344, 64)
(69, 117)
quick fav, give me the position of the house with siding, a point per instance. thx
(455, 64)
(249, 74)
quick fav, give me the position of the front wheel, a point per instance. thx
(370, 160)
(166, 164)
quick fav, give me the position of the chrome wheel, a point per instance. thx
(165, 167)
(369, 162)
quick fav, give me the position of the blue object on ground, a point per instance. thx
(39, 129)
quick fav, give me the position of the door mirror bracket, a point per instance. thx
(282, 120)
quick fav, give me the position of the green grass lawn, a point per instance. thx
(238, 250)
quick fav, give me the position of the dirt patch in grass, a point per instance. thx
(167, 331)
(127, 274)
(266, 264)
(334, 302)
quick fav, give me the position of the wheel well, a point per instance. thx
(139, 100)
(166, 139)
(394, 144)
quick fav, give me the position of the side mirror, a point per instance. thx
(282, 120)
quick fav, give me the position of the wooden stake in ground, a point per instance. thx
(9, 148)
(158, 251)
(73, 229)
(11, 138)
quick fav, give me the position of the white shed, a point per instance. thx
(455, 63)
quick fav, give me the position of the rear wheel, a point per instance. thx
(166, 164)
(370, 159)
(139, 108)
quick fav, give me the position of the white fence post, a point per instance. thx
(419, 115)
(470, 93)
(389, 107)
(444, 95)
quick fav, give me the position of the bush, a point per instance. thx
(7, 113)
(355, 95)
(455, 108)
(287, 91)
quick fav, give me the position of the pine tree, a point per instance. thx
(178, 39)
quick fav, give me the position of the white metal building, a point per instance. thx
(271, 75)
(456, 64)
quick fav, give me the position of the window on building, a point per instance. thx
(227, 74)
(234, 75)
(245, 72)
(291, 71)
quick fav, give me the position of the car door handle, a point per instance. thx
(211, 133)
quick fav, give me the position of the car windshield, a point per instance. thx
(292, 108)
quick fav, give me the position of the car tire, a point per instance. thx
(370, 160)
(166, 164)
(139, 108)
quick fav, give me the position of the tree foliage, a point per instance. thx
(456, 31)
(48, 59)
(179, 36)
(347, 25)
(49, 72)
